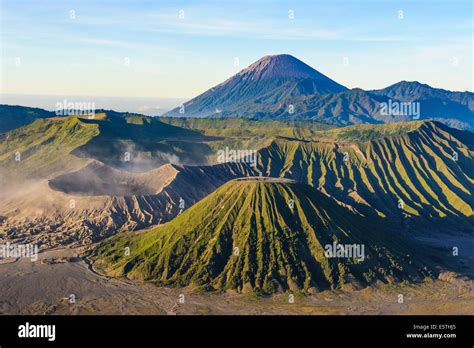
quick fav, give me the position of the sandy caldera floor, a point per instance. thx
(46, 286)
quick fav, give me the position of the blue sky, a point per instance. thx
(144, 49)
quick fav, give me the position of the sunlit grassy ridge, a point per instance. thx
(44, 147)
(415, 166)
(61, 144)
(245, 236)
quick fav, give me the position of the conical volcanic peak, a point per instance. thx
(257, 88)
(280, 66)
(262, 235)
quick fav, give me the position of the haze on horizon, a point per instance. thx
(180, 49)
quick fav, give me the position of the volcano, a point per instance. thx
(268, 81)
(263, 235)
(281, 87)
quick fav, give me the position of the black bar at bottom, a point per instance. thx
(448, 331)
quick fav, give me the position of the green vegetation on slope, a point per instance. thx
(246, 236)
(409, 171)
(44, 147)
(60, 144)
(242, 127)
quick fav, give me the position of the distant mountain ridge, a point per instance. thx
(455, 109)
(13, 116)
(414, 90)
(283, 87)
